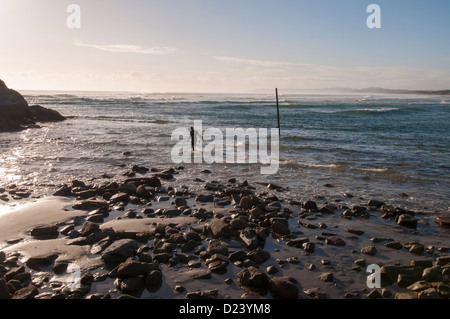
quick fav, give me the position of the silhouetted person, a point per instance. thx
(192, 138)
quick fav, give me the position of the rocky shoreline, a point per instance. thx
(148, 237)
(17, 115)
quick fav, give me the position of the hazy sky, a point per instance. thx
(224, 45)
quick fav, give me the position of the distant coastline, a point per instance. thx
(370, 90)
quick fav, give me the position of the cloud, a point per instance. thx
(273, 64)
(294, 74)
(126, 48)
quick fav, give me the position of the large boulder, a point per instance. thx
(253, 278)
(16, 114)
(220, 228)
(118, 252)
(284, 287)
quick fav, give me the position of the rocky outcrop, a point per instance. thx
(17, 115)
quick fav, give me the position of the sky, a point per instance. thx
(223, 45)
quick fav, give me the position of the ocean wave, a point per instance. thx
(297, 164)
(377, 170)
(376, 110)
(118, 119)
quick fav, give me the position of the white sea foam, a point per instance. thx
(381, 109)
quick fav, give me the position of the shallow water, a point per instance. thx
(367, 145)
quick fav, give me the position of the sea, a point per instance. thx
(346, 148)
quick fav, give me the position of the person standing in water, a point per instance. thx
(192, 139)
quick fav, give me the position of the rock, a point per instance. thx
(153, 280)
(354, 231)
(403, 295)
(118, 252)
(172, 213)
(335, 241)
(180, 202)
(416, 248)
(298, 242)
(443, 290)
(237, 256)
(374, 294)
(250, 238)
(256, 212)
(407, 221)
(389, 273)
(443, 221)
(271, 270)
(311, 267)
(220, 228)
(96, 218)
(360, 262)
(85, 194)
(26, 293)
(419, 286)
(248, 202)
(2, 257)
(130, 285)
(326, 276)
(45, 232)
(162, 257)
(252, 278)
(432, 273)
(143, 192)
(4, 291)
(16, 114)
(405, 280)
(208, 294)
(139, 169)
(375, 203)
(204, 198)
(229, 281)
(258, 256)
(283, 287)
(238, 224)
(422, 263)
(377, 240)
(119, 197)
(443, 260)
(280, 228)
(90, 205)
(133, 268)
(217, 263)
(429, 293)
(309, 205)
(163, 247)
(153, 181)
(64, 191)
(369, 250)
(394, 245)
(89, 228)
(385, 293)
(215, 247)
(36, 263)
(315, 293)
(309, 247)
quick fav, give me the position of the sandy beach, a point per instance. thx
(149, 237)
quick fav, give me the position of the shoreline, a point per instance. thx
(207, 246)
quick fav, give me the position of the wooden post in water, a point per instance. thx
(278, 113)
